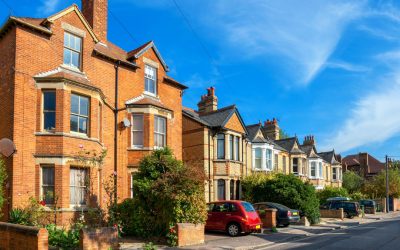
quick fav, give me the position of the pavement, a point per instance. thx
(267, 239)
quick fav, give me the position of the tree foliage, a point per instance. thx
(288, 190)
(328, 192)
(352, 181)
(3, 178)
(165, 192)
(376, 188)
(283, 134)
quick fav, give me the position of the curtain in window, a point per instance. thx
(160, 129)
(78, 186)
(48, 184)
(320, 170)
(268, 153)
(258, 158)
(221, 189)
(137, 131)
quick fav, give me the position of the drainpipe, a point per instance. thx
(116, 66)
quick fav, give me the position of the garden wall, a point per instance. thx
(99, 239)
(268, 218)
(332, 213)
(189, 234)
(19, 237)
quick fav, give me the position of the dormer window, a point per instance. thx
(72, 50)
(150, 80)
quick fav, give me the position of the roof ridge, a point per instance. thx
(219, 110)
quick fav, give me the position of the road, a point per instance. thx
(382, 235)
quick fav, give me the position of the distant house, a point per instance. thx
(362, 163)
(334, 164)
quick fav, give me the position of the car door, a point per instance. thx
(218, 216)
(210, 223)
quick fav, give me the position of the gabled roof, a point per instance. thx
(113, 52)
(289, 143)
(174, 82)
(310, 151)
(329, 156)
(33, 23)
(136, 53)
(252, 131)
(216, 119)
(375, 166)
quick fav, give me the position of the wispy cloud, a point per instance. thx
(304, 34)
(47, 7)
(346, 66)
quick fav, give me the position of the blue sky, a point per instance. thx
(327, 68)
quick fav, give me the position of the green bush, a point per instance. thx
(358, 196)
(328, 192)
(19, 216)
(288, 190)
(165, 192)
(63, 238)
(352, 181)
(3, 178)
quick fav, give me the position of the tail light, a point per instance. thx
(289, 213)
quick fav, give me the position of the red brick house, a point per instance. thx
(58, 82)
(362, 163)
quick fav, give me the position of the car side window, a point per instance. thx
(216, 207)
(233, 208)
(210, 207)
(225, 207)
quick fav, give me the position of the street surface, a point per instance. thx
(382, 235)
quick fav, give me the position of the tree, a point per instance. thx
(328, 192)
(376, 188)
(352, 182)
(3, 178)
(288, 190)
(283, 134)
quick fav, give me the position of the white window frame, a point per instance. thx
(42, 195)
(221, 140)
(237, 148)
(313, 165)
(320, 170)
(80, 115)
(334, 174)
(268, 159)
(73, 50)
(158, 132)
(137, 130)
(150, 78)
(255, 159)
(297, 165)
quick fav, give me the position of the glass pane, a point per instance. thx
(147, 84)
(137, 139)
(75, 104)
(83, 124)
(152, 86)
(48, 176)
(49, 120)
(49, 100)
(77, 43)
(258, 153)
(48, 194)
(163, 128)
(75, 59)
(258, 163)
(74, 123)
(66, 39)
(67, 56)
(84, 106)
(137, 123)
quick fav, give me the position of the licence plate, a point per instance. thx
(258, 227)
(295, 213)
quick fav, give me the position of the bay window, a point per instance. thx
(79, 121)
(78, 185)
(221, 189)
(49, 110)
(221, 146)
(258, 158)
(313, 173)
(137, 131)
(334, 173)
(268, 157)
(160, 131)
(231, 147)
(47, 184)
(320, 171)
(237, 143)
(295, 166)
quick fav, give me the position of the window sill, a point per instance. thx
(72, 135)
(150, 94)
(139, 149)
(71, 68)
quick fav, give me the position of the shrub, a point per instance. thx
(19, 216)
(352, 181)
(3, 178)
(63, 238)
(31, 215)
(358, 196)
(328, 192)
(288, 190)
(130, 215)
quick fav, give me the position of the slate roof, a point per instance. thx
(252, 130)
(310, 151)
(288, 145)
(136, 53)
(194, 115)
(329, 156)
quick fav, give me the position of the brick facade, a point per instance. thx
(34, 64)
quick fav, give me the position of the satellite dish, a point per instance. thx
(126, 123)
(7, 147)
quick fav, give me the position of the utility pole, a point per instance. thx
(387, 183)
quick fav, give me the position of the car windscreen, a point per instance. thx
(248, 207)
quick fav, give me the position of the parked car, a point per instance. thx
(350, 208)
(368, 203)
(233, 217)
(284, 215)
(338, 198)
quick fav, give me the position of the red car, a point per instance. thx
(233, 217)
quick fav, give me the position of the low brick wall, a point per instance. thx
(189, 234)
(18, 237)
(268, 218)
(104, 238)
(332, 213)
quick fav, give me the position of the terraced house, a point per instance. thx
(65, 88)
(215, 140)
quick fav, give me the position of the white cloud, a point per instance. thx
(47, 7)
(373, 119)
(346, 66)
(304, 34)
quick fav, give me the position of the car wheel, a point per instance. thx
(286, 225)
(233, 229)
(346, 215)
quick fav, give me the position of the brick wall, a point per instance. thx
(18, 237)
(99, 239)
(325, 213)
(189, 234)
(268, 218)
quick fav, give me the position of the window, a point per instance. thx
(137, 131)
(78, 186)
(49, 110)
(237, 190)
(276, 162)
(334, 173)
(150, 79)
(72, 50)
(237, 145)
(47, 185)
(231, 147)
(320, 173)
(79, 114)
(295, 166)
(257, 158)
(221, 146)
(284, 163)
(232, 189)
(268, 156)
(160, 131)
(132, 185)
(313, 169)
(221, 189)
(100, 122)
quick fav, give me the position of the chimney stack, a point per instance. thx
(96, 13)
(208, 102)
(271, 129)
(309, 140)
